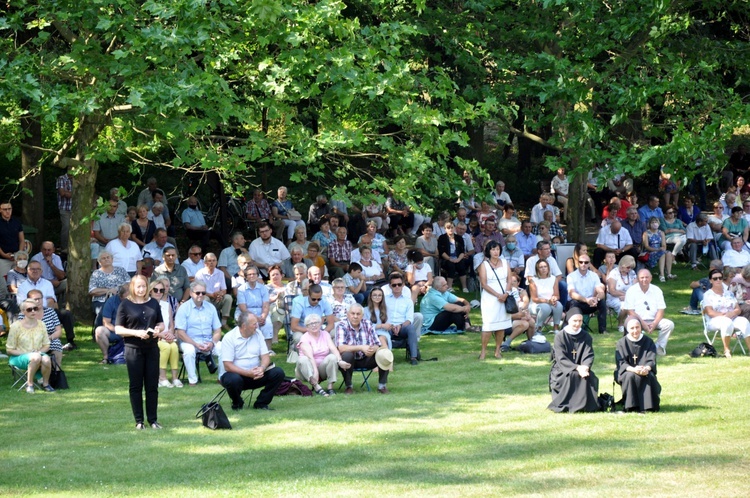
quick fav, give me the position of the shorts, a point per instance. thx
(21, 361)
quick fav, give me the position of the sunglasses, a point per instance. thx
(199, 293)
(314, 299)
(585, 262)
(157, 290)
(716, 278)
(397, 285)
(33, 309)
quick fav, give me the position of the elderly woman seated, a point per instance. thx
(635, 358)
(723, 311)
(28, 344)
(318, 359)
(573, 385)
(619, 280)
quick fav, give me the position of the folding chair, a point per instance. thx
(182, 375)
(365, 376)
(19, 376)
(711, 338)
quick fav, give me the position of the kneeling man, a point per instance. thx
(246, 361)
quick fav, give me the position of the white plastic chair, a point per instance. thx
(711, 338)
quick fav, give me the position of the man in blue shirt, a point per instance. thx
(526, 240)
(105, 322)
(196, 228)
(441, 308)
(403, 322)
(199, 329)
(651, 210)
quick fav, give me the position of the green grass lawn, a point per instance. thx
(455, 427)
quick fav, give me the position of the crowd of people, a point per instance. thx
(346, 282)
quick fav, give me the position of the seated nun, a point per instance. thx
(635, 356)
(573, 385)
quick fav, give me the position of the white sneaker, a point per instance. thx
(271, 353)
(177, 383)
(165, 383)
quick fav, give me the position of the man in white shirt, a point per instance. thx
(155, 248)
(586, 292)
(266, 250)
(52, 269)
(509, 224)
(537, 212)
(216, 286)
(500, 196)
(194, 261)
(247, 364)
(736, 257)
(646, 303)
(402, 321)
(699, 237)
(613, 238)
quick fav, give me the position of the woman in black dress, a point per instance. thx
(573, 385)
(635, 356)
(140, 323)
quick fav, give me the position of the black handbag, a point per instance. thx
(511, 306)
(57, 378)
(213, 414)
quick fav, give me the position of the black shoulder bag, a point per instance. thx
(213, 414)
(511, 306)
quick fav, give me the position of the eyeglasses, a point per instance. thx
(199, 293)
(157, 290)
(397, 285)
(33, 309)
(715, 278)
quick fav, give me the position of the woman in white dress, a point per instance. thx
(724, 312)
(493, 276)
(619, 280)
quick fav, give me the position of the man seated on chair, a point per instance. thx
(312, 303)
(157, 246)
(216, 287)
(736, 257)
(613, 238)
(198, 327)
(586, 292)
(104, 334)
(403, 321)
(361, 348)
(52, 269)
(315, 275)
(296, 255)
(266, 251)
(247, 364)
(699, 238)
(646, 303)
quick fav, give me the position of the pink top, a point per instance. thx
(319, 346)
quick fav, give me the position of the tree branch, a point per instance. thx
(532, 137)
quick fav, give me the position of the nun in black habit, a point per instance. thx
(635, 356)
(573, 385)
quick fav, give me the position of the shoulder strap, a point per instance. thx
(498, 278)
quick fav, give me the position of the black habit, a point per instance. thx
(570, 391)
(639, 393)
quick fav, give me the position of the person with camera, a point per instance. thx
(139, 322)
(199, 329)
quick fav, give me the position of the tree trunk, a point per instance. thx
(576, 215)
(79, 259)
(33, 185)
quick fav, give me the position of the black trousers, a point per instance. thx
(143, 370)
(203, 237)
(367, 362)
(399, 220)
(586, 309)
(455, 270)
(236, 383)
(445, 319)
(66, 320)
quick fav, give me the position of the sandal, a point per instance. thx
(104, 362)
(671, 276)
(321, 391)
(662, 279)
(473, 328)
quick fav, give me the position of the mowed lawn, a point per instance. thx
(454, 427)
